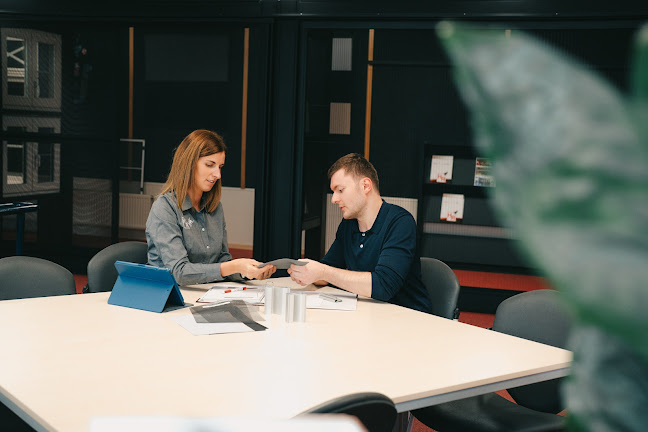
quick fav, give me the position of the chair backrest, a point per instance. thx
(26, 277)
(442, 286)
(375, 410)
(542, 317)
(102, 273)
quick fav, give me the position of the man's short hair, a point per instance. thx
(356, 165)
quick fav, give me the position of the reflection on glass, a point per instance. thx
(45, 159)
(16, 159)
(45, 70)
(16, 67)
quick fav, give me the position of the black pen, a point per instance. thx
(330, 298)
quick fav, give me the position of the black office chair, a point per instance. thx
(375, 410)
(102, 273)
(442, 286)
(539, 316)
(26, 277)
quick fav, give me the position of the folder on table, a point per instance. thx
(145, 287)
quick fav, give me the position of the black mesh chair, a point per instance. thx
(375, 410)
(102, 273)
(442, 286)
(539, 316)
(26, 277)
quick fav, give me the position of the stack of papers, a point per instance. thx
(248, 294)
(332, 299)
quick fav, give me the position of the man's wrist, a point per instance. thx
(324, 273)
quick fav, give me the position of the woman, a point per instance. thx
(185, 230)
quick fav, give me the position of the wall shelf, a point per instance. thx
(467, 230)
(477, 239)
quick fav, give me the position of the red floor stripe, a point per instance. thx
(80, 281)
(501, 280)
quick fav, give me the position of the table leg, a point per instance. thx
(403, 422)
(20, 232)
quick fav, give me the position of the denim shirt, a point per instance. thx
(191, 243)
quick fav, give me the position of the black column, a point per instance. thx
(278, 201)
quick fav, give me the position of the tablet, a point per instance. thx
(141, 286)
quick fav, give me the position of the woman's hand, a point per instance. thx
(248, 268)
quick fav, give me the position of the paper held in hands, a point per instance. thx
(283, 263)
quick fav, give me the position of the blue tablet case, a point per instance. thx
(145, 287)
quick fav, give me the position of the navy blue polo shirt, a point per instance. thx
(388, 251)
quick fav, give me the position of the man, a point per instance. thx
(374, 252)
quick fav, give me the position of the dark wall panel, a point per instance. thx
(167, 107)
(278, 196)
(361, 9)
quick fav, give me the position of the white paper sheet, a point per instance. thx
(251, 294)
(190, 324)
(348, 301)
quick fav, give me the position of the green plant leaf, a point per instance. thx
(571, 169)
(639, 82)
(640, 66)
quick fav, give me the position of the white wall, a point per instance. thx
(93, 200)
(238, 205)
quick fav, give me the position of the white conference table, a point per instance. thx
(68, 359)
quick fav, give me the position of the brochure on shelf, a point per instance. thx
(483, 176)
(452, 207)
(441, 169)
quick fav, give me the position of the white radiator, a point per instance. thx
(91, 207)
(334, 215)
(134, 210)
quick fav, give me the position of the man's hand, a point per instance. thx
(315, 272)
(307, 274)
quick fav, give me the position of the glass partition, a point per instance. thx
(45, 66)
(16, 66)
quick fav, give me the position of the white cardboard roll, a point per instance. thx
(299, 307)
(290, 308)
(280, 299)
(269, 300)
